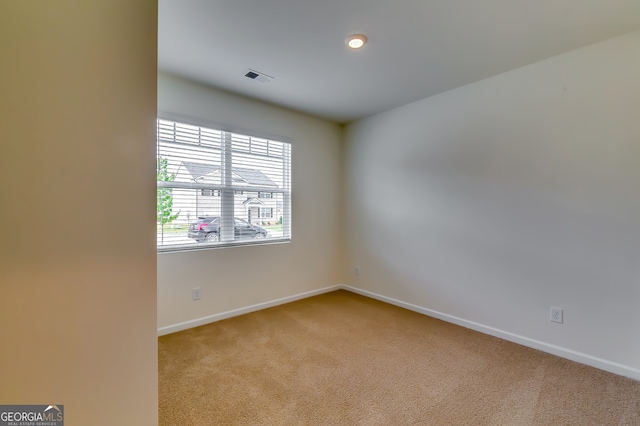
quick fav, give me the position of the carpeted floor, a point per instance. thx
(343, 359)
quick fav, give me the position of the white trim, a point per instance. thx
(241, 311)
(185, 248)
(603, 364)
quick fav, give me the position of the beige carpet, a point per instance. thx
(343, 359)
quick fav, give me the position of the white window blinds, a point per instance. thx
(211, 188)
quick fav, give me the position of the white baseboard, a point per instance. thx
(602, 364)
(241, 311)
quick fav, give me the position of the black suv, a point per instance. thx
(207, 228)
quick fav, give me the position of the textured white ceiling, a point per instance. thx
(416, 48)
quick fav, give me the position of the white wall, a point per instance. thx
(508, 196)
(234, 278)
(77, 246)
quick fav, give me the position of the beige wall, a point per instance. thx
(508, 196)
(234, 278)
(77, 244)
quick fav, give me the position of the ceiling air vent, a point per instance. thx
(257, 76)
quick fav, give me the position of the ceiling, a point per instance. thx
(416, 48)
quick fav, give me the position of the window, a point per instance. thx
(214, 188)
(210, 192)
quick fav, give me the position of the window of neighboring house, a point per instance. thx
(203, 175)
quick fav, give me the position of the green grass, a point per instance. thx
(173, 229)
(273, 228)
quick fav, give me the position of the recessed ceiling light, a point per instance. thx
(356, 41)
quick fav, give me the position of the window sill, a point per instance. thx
(204, 246)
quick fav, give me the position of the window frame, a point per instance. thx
(231, 191)
(209, 192)
(262, 211)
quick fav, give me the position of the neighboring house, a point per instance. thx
(254, 206)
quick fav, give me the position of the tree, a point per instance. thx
(165, 196)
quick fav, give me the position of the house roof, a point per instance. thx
(251, 176)
(252, 200)
(254, 177)
(197, 170)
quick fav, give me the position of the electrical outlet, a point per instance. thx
(356, 270)
(556, 315)
(195, 292)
